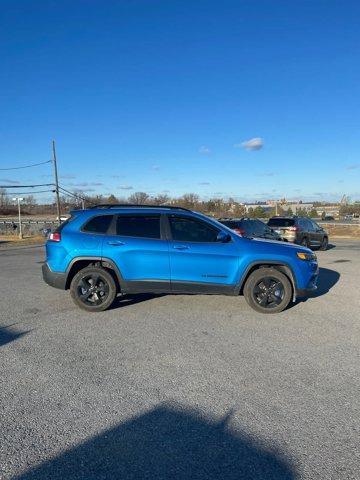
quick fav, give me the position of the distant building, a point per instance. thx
(295, 207)
(332, 210)
(270, 205)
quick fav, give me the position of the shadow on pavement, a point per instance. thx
(7, 335)
(327, 279)
(132, 299)
(167, 443)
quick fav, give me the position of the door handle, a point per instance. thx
(181, 247)
(115, 243)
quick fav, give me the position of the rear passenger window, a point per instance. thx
(99, 224)
(146, 226)
(306, 224)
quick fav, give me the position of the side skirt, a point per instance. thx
(154, 286)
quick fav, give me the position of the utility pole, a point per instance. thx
(56, 183)
(18, 200)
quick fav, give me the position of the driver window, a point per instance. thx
(185, 229)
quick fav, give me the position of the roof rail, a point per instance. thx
(134, 205)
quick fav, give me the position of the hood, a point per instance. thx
(264, 244)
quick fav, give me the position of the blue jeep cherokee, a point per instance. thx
(121, 249)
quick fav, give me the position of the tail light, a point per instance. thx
(55, 237)
(239, 231)
(293, 229)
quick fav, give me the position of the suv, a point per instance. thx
(250, 227)
(121, 249)
(301, 230)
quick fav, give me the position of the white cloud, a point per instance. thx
(255, 143)
(204, 150)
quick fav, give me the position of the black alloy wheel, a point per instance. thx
(268, 290)
(93, 289)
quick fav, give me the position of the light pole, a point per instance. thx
(18, 200)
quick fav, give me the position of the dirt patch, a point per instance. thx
(343, 231)
(12, 241)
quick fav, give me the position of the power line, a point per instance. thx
(76, 195)
(31, 192)
(71, 193)
(28, 186)
(26, 166)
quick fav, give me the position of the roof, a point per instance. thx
(135, 206)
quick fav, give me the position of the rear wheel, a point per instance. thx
(268, 291)
(93, 289)
(324, 244)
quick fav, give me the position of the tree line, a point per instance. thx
(217, 207)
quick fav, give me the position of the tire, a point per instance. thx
(268, 291)
(324, 244)
(93, 289)
(305, 242)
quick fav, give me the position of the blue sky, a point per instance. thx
(161, 96)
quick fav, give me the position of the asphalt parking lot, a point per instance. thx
(179, 387)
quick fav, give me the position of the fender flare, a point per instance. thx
(281, 266)
(105, 262)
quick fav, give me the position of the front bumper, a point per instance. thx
(54, 279)
(305, 292)
(310, 287)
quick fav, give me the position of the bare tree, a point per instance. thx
(139, 198)
(4, 199)
(30, 200)
(189, 200)
(161, 199)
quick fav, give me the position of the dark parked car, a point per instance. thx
(301, 230)
(251, 228)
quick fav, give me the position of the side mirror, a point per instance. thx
(223, 237)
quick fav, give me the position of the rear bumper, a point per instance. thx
(54, 279)
(289, 237)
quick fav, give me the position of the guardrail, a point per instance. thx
(29, 227)
(28, 222)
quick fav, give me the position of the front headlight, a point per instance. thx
(306, 256)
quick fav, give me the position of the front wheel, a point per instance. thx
(268, 291)
(93, 289)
